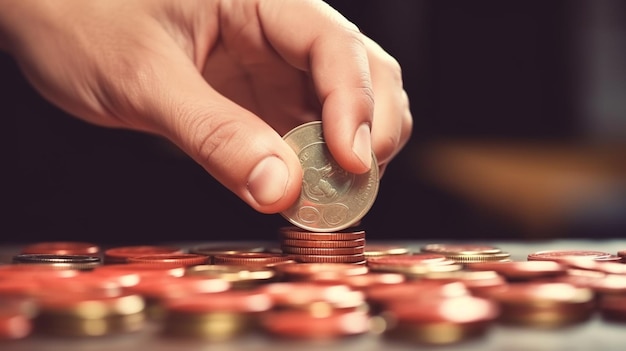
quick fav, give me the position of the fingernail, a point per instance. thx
(268, 180)
(362, 145)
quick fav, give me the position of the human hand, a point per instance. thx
(223, 80)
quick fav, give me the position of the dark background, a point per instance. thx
(472, 69)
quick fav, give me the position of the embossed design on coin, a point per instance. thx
(332, 198)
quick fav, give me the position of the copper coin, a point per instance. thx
(170, 260)
(35, 270)
(85, 283)
(240, 301)
(299, 234)
(522, 269)
(20, 287)
(220, 249)
(580, 277)
(328, 258)
(594, 265)
(544, 305)
(322, 251)
(300, 324)
(90, 306)
(122, 253)
(62, 248)
(323, 243)
(552, 255)
(406, 260)
(614, 284)
(306, 293)
(374, 250)
(238, 275)
(481, 283)
(131, 274)
(461, 249)
(250, 258)
(367, 280)
(315, 271)
(171, 287)
(438, 309)
(411, 291)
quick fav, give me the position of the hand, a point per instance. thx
(223, 80)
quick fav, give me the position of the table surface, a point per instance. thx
(595, 334)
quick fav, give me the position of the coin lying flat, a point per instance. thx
(331, 198)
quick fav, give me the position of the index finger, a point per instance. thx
(312, 36)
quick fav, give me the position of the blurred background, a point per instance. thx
(520, 134)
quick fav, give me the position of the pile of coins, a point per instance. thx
(415, 296)
(322, 282)
(313, 247)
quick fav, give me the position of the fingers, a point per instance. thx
(236, 147)
(365, 107)
(321, 41)
(393, 121)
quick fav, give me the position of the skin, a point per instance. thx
(223, 80)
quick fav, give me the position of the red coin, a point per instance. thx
(131, 274)
(522, 269)
(305, 325)
(170, 260)
(250, 258)
(367, 280)
(409, 292)
(34, 271)
(237, 301)
(455, 310)
(375, 250)
(314, 271)
(305, 294)
(461, 249)
(553, 255)
(122, 253)
(172, 287)
(405, 260)
(62, 248)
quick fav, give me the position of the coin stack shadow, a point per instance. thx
(345, 246)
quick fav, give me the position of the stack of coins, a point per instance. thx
(346, 246)
(464, 253)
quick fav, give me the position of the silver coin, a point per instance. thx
(332, 198)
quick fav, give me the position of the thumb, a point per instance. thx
(235, 146)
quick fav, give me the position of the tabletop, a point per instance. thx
(595, 334)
